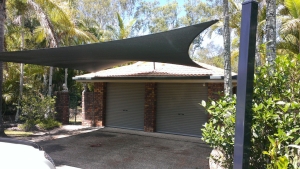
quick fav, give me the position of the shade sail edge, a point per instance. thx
(167, 47)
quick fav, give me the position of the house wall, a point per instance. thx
(87, 108)
(215, 90)
(94, 106)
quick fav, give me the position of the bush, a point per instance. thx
(29, 125)
(48, 124)
(37, 109)
(276, 117)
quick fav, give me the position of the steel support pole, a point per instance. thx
(245, 85)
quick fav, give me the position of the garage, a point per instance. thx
(178, 109)
(153, 97)
(125, 105)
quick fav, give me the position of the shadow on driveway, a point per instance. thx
(119, 148)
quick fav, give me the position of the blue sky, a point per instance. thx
(180, 2)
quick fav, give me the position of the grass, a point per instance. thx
(72, 121)
(18, 133)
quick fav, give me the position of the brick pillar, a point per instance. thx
(62, 106)
(215, 90)
(150, 107)
(94, 106)
(87, 108)
(100, 90)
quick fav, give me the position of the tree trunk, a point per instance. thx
(45, 23)
(66, 77)
(2, 20)
(227, 55)
(21, 72)
(50, 81)
(257, 52)
(20, 92)
(45, 81)
(271, 32)
(51, 36)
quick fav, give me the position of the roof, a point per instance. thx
(168, 47)
(146, 70)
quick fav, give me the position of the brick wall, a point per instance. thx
(150, 107)
(62, 107)
(87, 108)
(100, 90)
(94, 106)
(215, 90)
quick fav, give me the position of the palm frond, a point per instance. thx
(293, 7)
(85, 35)
(39, 34)
(291, 25)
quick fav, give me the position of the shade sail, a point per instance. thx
(168, 47)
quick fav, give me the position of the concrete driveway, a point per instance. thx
(120, 148)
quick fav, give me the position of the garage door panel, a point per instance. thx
(178, 108)
(125, 105)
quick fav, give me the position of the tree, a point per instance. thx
(20, 21)
(227, 51)
(154, 18)
(2, 20)
(122, 31)
(49, 30)
(103, 12)
(223, 27)
(57, 27)
(259, 51)
(197, 11)
(290, 30)
(271, 32)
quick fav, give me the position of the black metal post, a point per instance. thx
(245, 85)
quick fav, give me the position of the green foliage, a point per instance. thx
(28, 125)
(219, 131)
(289, 30)
(153, 17)
(48, 124)
(278, 161)
(276, 117)
(36, 108)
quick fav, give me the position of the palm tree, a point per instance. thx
(122, 31)
(227, 51)
(21, 9)
(57, 27)
(2, 20)
(48, 29)
(290, 29)
(271, 31)
(233, 9)
(259, 51)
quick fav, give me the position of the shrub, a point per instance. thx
(28, 125)
(36, 108)
(276, 117)
(48, 124)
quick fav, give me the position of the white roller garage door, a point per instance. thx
(178, 109)
(125, 105)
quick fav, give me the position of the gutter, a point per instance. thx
(153, 78)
